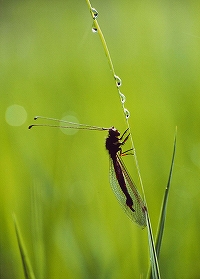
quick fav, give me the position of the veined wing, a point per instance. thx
(138, 214)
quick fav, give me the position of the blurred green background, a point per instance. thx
(58, 185)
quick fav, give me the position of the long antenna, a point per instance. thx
(74, 125)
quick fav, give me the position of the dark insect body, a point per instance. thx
(113, 145)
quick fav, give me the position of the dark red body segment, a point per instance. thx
(113, 145)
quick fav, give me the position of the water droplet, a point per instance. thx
(123, 97)
(94, 29)
(118, 80)
(127, 113)
(94, 13)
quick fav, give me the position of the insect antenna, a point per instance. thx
(74, 125)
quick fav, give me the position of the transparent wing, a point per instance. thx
(138, 215)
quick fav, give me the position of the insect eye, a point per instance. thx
(114, 132)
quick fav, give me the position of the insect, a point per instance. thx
(122, 184)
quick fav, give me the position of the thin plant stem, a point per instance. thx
(153, 254)
(126, 112)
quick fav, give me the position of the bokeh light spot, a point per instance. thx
(15, 115)
(69, 131)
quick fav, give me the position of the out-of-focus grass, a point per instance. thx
(57, 185)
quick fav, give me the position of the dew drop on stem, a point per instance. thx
(127, 113)
(118, 80)
(122, 97)
(94, 13)
(94, 29)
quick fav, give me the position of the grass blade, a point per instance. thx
(28, 272)
(152, 250)
(162, 218)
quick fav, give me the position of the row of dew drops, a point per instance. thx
(117, 79)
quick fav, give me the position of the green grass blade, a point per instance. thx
(28, 272)
(152, 250)
(162, 218)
